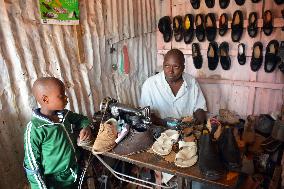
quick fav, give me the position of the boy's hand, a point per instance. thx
(85, 134)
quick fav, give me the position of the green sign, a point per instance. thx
(63, 12)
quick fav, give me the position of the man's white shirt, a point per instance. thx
(157, 94)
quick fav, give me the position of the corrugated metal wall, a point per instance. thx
(79, 55)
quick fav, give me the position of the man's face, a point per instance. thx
(173, 68)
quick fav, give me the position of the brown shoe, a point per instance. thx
(107, 134)
(228, 117)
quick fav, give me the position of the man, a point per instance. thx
(172, 93)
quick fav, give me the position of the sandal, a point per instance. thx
(224, 3)
(240, 2)
(163, 145)
(257, 57)
(165, 28)
(200, 30)
(237, 26)
(241, 54)
(177, 28)
(267, 23)
(271, 58)
(212, 55)
(223, 24)
(225, 59)
(210, 27)
(210, 3)
(186, 157)
(188, 28)
(252, 27)
(196, 56)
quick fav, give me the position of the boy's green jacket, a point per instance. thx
(50, 149)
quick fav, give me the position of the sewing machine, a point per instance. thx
(139, 118)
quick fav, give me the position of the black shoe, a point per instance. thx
(264, 125)
(255, 1)
(177, 28)
(279, 2)
(210, 3)
(241, 54)
(212, 55)
(195, 4)
(252, 24)
(229, 150)
(225, 59)
(210, 29)
(267, 23)
(223, 24)
(165, 28)
(237, 26)
(188, 28)
(224, 3)
(257, 57)
(210, 164)
(200, 30)
(196, 56)
(271, 56)
(240, 2)
(281, 55)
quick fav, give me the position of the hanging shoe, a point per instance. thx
(281, 55)
(225, 59)
(195, 4)
(237, 26)
(241, 54)
(223, 24)
(224, 3)
(257, 57)
(252, 24)
(188, 28)
(210, 27)
(165, 28)
(210, 164)
(240, 2)
(210, 3)
(279, 2)
(229, 150)
(267, 23)
(105, 140)
(177, 28)
(200, 30)
(271, 56)
(196, 56)
(212, 55)
(255, 1)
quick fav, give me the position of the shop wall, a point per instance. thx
(238, 89)
(79, 55)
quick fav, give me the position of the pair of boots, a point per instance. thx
(215, 158)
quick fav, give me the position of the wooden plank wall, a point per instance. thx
(238, 89)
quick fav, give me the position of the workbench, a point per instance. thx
(156, 162)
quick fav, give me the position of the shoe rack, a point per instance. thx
(239, 88)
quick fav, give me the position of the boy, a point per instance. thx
(50, 155)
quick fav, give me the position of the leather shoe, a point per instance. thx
(196, 56)
(177, 28)
(225, 59)
(237, 26)
(257, 57)
(271, 58)
(200, 30)
(165, 28)
(241, 54)
(252, 26)
(212, 55)
(223, 24)
(210, 27)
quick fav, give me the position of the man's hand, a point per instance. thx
(85, 134)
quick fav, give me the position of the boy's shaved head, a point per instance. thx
(44, 86)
